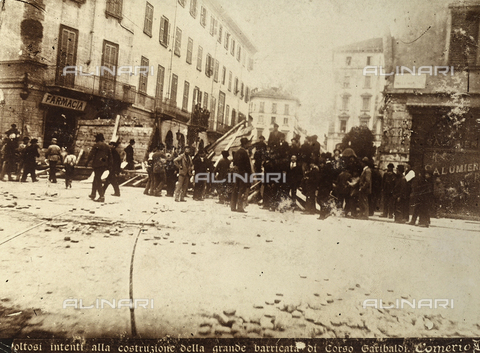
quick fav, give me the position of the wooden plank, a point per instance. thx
(115, 129)
(139, 181)
(255, 185)
(131, 179)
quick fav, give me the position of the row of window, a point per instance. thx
(212, 66)
(67, 57)
(215, 29)
(362, 120)
(367, 83)
(273, 120)
(348, 61)
(346, 102)
(286, 110)
(114, 8)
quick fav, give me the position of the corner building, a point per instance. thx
(274, 106)
(197, 57)
(432, 119)
(358, 97)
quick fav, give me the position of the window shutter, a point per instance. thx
(67, 56)
(160, 81)
(173, 91)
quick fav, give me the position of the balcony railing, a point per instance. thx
(168, 109)
(200, 117)
(102, 86)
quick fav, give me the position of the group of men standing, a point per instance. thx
(18, 158)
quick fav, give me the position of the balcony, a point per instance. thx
(145, 101)
(167, 109)
(89, 84)
(200, 118)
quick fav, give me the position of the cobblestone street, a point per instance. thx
(214, 273)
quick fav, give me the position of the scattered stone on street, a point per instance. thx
(65, 249)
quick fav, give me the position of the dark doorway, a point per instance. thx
(61, 124)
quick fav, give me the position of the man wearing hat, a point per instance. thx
(274, 137)
(185, 168)
(315, 146)
(101, 156)
(242, 162)
(259, 155)
(221, 173)
(115, 169)
(129, 155)
(400, 194)
(9, 151)
(53, 156)
(388, 183)
(365, 189)
(13, 131)
(30, 160)
(21, 156)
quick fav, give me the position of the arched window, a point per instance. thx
(169, 140)
(234, 117)
(181, 141)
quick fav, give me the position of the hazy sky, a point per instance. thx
(295, 39)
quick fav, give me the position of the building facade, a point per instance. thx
(271, 106)
(432, 117)
(358, 96)
(152, 70)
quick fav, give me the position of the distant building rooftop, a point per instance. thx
(274, 93)
(373, 45)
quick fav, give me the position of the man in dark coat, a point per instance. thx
(325, 184)
(342, 188)
(53, 156)
(101, 155)
(259, 155)
(305, 153)
(423, 194)
(114, 170)
(364, 189)
(295, 148)
(269, 186)
(294, 178)
(21, 156)
(185, 167)
(9, 158)
(221, 174)
(200, 165)
(311, 178)
(376, 189)
(410, 179)
(388, 184)
(241, 161)
(30, 160)
(274, 137)
(129, 153)
(171, 172)
(400, 195)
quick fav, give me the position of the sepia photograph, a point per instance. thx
(243, 169)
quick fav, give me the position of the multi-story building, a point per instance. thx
(271, 106)
(194, 53)
(358, 97)
(432, 116)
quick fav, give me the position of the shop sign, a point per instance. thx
(64, 102)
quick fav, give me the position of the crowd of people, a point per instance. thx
(339, 183)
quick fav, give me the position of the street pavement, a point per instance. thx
(213, 273)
